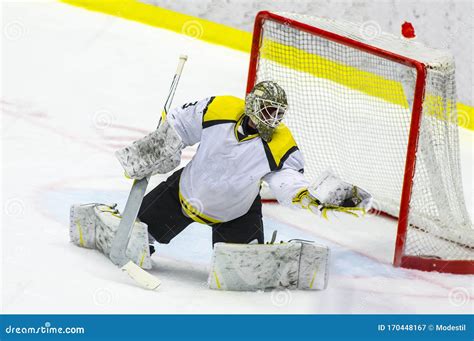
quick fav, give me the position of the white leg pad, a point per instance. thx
(95, 225)
(82, 223)
(250, 267)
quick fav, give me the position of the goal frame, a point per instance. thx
(400, 259)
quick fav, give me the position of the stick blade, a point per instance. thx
(140, 276)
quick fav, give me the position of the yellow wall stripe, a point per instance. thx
(233, 38)
(465, 116)
(352, 77)
(159, 17)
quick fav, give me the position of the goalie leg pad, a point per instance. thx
(94, 226)
(82, 223)
(250, 267)
(313, 267)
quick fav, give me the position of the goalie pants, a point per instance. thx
(161, 211)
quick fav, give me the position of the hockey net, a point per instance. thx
(380, 112)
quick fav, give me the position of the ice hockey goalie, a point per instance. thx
(241, 144)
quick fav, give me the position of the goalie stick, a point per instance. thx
(119, 244)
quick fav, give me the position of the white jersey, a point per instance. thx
(223, 179)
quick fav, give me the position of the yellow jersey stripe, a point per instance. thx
(246, 138)
(280, 147)
(195, 214)
(224, 109)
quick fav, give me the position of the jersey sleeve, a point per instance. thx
(187, 120)
(287, 182)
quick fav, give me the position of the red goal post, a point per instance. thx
(421, 262)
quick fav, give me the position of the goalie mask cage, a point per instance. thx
(380, 112)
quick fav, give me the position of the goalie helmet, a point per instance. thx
(266, 105)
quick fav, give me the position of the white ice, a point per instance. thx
(77, 85)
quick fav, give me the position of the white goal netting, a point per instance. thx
(350, 111)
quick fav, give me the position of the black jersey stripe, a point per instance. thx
(207, 107)
(270, 158)
(208, 124)
(195, 214)
(286, 156)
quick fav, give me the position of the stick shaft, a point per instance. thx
(135, 198)
(174, 84)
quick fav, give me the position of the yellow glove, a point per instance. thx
(306, 201)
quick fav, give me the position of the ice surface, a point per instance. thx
(78, 85)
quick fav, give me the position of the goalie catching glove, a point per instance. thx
(329, 193)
